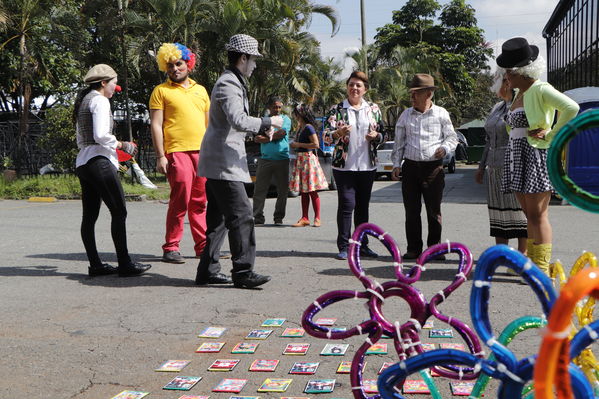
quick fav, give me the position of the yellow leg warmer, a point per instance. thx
(542, 256)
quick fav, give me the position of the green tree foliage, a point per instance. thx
(60, 138)
(454, 41)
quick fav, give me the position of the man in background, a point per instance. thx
(274, 161)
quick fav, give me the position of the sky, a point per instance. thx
(500, 20)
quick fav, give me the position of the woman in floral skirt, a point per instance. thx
(307, 177)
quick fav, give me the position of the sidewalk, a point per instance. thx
(65, 335)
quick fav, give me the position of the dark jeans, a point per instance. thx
(229, 210)
(100, 182)
(353, 197)
(422, 180)
(265, 171)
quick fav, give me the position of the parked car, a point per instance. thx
(385, 165)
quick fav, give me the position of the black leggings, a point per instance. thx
(100, 182)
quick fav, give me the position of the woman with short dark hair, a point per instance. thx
(355, 127)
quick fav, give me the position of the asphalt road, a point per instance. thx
(65, 335)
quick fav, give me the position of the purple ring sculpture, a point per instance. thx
(405, 336)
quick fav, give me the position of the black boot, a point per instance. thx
(133, 269)
(249, 280)
(102, 270)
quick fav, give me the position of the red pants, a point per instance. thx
(188, 195)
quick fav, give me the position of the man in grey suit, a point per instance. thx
(223, 162)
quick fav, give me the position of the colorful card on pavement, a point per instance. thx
(173, 365)
(293, 332)
(415, 386)
(182, 383)
(223, 365)
(193, 397)
(370, 386)
(264, 365)
(296, 349)
(334, 349)
(210, 347)
(345, 367)
(320, 386)
(233, 385)
(377, 349)
(130, 395)
(461, 388)
(273, 323)
(258, 334)
(245, 347)
(430, 323)
(212, 332)
(275, 385)
(326, 321)
(304, 368)
(440, 333)
(428, 347)
(452, 345)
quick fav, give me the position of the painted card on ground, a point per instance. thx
(440, 333)
(320, 386)
(415, 386)
(304, 368)
(370, 386)
(264, 365)
(377, 349)
(296, 349)
(210, 347)
(275, 385)
(223, 365)
(258, 334)
(233, 385)
(245, 347)
(461, 388)
(334, 349)
(293, 332)
(273, 322)
(130, 395)
(182, 383)
(173, 365)
(212, 332)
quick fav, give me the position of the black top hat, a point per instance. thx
(516, 53)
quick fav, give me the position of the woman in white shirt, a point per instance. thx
(355, 127)
(97, 166)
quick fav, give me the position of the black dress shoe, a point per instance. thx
(133, 269)
(368, 253)
(411, 255)
(217, 278)
(250, 280)
(103, 270)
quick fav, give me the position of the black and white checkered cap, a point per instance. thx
(244, 44)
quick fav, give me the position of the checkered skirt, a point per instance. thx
(525, 168)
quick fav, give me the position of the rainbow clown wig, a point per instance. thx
(171, 52)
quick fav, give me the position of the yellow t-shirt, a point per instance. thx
(185, 110)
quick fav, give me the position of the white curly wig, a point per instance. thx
(497, 80)
(534, 70)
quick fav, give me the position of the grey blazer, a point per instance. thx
(222, 154)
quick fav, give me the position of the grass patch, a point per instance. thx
(68, 187)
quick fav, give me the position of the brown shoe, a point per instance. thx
(316, 223)
(301, 223)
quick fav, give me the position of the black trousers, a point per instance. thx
(422, 181)
(229, 211)
(100, 182)
(353, 199)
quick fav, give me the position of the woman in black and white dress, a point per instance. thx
(506, 218)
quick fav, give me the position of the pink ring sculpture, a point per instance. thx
(406, 338)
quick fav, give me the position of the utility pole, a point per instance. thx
(363, 20)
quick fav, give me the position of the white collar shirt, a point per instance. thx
(358, 156)
(419, 134)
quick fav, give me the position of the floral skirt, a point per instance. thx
(307, 174)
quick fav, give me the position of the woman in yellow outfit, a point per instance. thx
(531, 118)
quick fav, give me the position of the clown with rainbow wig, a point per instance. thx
(179, 117)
